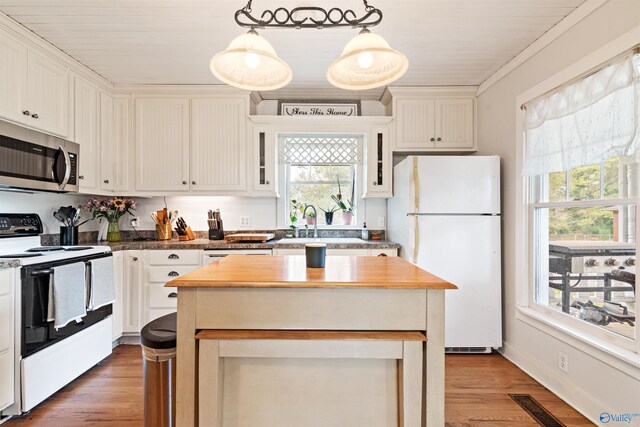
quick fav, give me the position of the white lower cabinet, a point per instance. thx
(132, 279)
(164, 266)
(7, 340)
(118, 306)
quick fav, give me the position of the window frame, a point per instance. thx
(591, 339)
(284, 202)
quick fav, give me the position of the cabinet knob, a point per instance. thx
(184, 182)
(81, 177)
(26, 113)
(439, 139)
(135, 258)
(375, 182)
(433, 139)
(106, 181)
(35, 116)
(267, 182)
(193, 183)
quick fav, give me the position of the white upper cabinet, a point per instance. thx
(48, 95)
(86, 133)
(108, 152)
(378, 163)
(121, 151)
(433, 119)
(162, 144)
(264, 161)
(218, 144)
(13, 79)
(34, 90)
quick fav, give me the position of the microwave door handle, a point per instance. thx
(67, 168)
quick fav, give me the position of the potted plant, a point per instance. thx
(296, 208)
(328, 214)
(311, 218)
(347, 211)
(112, 210)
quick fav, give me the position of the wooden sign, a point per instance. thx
(319, 108)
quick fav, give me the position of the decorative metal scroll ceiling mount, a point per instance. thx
(251, 63)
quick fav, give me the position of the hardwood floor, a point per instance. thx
(477, 395)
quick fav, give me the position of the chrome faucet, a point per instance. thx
(315, 223)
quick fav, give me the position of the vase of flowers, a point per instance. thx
(111, 210)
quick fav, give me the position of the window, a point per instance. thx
(317, 167)
(581, 160)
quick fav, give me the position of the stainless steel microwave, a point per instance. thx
(36, 161)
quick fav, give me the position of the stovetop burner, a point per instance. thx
(22, 255)
(45, 249)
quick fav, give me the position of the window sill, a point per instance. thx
(615, 356)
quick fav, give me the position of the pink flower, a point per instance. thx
(103, 208)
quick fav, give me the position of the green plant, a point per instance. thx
(311, 214)
(293, 213)
(338, 198)
(330, 210)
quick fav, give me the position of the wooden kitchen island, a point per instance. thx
(264, 341)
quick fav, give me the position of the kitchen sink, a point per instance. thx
(322, 240)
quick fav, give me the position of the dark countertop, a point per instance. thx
(223, 244)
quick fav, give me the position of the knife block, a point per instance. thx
(189, 236)
(216, 234)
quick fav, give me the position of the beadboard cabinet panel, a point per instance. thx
(48, 95)
(86, 133)
(109, 155)
(162, 144)
(13, 83)
(415, 125)
(454, 123)
(218, 145)
(122, 147)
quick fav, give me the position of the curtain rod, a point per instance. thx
(633, 50)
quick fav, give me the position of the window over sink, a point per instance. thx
(315, 168)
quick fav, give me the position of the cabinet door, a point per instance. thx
(378, 164)
(162, 144)
(86, 133)
(108, 156)
(48, 95)
(132, 291)
(415, 123)
(118, 306)
(264, 161)
(121, 151)
(13, 81)
(454, 123)
(218, 144)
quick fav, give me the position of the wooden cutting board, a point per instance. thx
(250, 237)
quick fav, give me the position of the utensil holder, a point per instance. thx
(216, 234)
(164, 232)
(69, 235)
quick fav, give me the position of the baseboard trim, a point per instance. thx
(575, 397)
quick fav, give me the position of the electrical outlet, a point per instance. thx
(135, 221)
(381, 222)
(245, 221)
(563, 362)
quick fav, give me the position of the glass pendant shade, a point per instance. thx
(251, 63)
(367, 62)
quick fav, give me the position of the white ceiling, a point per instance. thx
(448, 42)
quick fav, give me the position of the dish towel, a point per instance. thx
(103, 290)
(67, 294)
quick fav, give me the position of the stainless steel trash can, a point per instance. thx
(158, 340)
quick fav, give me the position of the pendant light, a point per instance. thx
(251, 63)
(367, 62)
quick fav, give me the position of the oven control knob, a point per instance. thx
(612, 262)
(630, 262)
(591, 262)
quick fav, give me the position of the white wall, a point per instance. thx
(194, 210)
(591, 385)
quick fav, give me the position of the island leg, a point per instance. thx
(186, 362)
(434, 359)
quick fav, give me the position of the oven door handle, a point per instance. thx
(41, 273)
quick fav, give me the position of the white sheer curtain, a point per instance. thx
(585, 122)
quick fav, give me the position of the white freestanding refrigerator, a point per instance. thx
(445, 214)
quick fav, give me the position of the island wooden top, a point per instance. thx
(251, 271)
